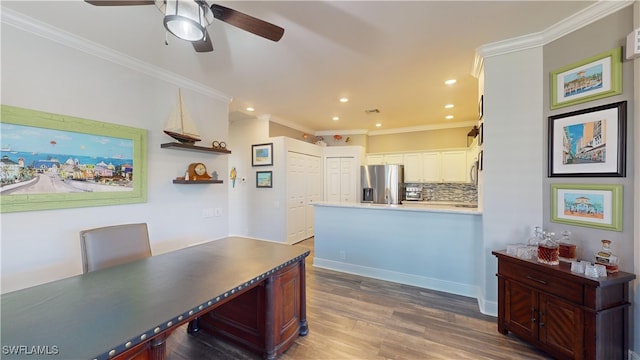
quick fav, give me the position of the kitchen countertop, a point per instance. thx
(423, 206)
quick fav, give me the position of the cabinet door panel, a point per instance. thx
(454, 166)
(520, 310)
(431, 167)
(561, 325)
(412, 168)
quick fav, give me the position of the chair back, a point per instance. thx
(113, 245)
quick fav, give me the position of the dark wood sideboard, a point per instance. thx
(568, 315)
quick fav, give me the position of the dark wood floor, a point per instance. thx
(353, 317)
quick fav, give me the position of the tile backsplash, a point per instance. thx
(461, 192)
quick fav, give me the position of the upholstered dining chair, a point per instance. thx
(108, 246)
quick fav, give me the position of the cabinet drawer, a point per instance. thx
(542, 281)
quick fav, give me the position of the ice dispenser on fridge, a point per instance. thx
(382, 184)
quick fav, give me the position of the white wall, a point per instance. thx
(635, 345)
(40, 74)
(261, 213)
(513, 160)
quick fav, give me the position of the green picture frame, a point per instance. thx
(123, 183)
(592, 205)
(593, 78)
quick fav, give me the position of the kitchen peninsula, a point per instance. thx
(431, 246)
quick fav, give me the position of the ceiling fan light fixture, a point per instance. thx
(186, 19)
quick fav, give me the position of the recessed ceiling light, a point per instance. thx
(448, 106)
(450, 81)
(250, 109)
(449, 117)
(344, 100)
(335, 118)
(378, 124)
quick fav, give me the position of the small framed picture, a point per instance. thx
(262, 154)
(480, 160)
(264, 179)
(589, 142)
(594, 78)
(591, 205)
(481, 134)
(481, 107)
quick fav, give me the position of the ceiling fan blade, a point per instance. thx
(247, 22)
(204, 45)
(120, 2)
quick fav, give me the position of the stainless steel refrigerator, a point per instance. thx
(382, 184)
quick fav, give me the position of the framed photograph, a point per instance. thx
(480, 160)
(597, 77)
(591, 205)
(262, 155)
(481, 107)
(264, 179)
(481, 135)
(54, 161)
(589, 142)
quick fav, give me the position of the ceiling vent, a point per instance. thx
(372, 111)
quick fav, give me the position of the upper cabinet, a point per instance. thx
(431, 166)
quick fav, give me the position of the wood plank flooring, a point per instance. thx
(353, 317)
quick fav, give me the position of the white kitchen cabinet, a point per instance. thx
(413, 168)
(383, 159)
(454, 166)
(375, 159)
(341, 181)
(432, 167)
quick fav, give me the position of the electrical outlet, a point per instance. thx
(343, 255)
(207, 212)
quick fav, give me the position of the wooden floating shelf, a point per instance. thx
(181, 146)
(176, 181)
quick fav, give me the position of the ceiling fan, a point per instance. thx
(188, 19)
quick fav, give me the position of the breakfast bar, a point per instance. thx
(432, 246)
(128, 311)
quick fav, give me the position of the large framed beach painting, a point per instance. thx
(591, 205)
(54, 161)
(594, 78)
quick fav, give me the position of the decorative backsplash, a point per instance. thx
(459, 192)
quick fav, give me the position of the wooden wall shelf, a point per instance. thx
(188, 147)
(189, 182)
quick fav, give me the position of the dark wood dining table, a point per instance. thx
(129, 310)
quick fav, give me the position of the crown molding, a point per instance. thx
(38, 28)
(290, 124)
(424, 128)
(582, 18)
(342, 132)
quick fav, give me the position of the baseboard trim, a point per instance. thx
(402, 278)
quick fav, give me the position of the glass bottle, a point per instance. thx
(606, 257)
(536, 236)
(567, 248)
(548, 250)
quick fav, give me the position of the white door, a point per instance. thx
(348, 184)
(333, 179)
(454, 166)
(296, 215)
(313, 180)
(431, 167)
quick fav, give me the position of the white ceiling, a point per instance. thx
(389, 55)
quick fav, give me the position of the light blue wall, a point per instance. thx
(428, 249)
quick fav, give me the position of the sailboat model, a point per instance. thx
(180, 125)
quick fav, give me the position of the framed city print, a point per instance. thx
(597, 77)
(589, 142)
(591, 205)
(262, 154)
